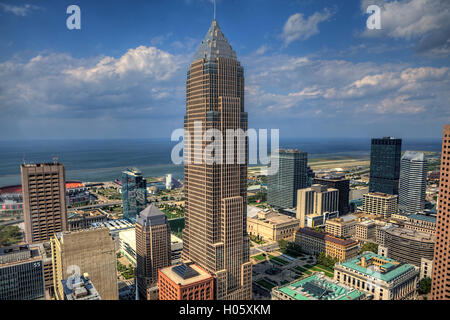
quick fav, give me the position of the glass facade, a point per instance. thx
(22, 281)
(134, 194)
(292, 175)
(385, 154)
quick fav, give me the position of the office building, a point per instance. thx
(413, 182)
(408, 246)
(134, 193)
(44, 200)
(365, 231)
(317, 204)
(343, 227)
(421, 222)
(215, 234)
(385, 156)
(21, 273)
(314, 242)
(89, 251)
(80, 288)
(152, 248)
(342, 185)
(380, 204)
(440, 289)
(292, 175)
(382, 278)
(272, 226)
(316, 287)
(185, 281)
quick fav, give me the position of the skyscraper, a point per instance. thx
(89, 251)
(316, 205)
(385, 156)
(215, 236)
(153, 249)
(134, 193)
(440, 286)
(292, 175)
(340, 183)
(44, 200)
(413, 182)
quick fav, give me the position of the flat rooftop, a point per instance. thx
(319, 287)
(185, 274)
(410, 234)
(380, 267)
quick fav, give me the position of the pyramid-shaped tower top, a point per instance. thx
(214, 45)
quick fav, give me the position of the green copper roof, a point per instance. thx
(392, 268)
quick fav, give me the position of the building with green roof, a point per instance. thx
(381, 277)
(316, 287)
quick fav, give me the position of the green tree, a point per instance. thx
(425, 285)
(369, 246)
(9, 235)
(283, 244)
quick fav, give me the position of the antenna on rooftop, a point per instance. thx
(55, 159)
(24, 161)
(214, 9)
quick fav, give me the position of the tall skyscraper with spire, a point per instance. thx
(215, 236)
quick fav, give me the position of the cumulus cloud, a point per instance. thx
(18, 10)
(144, 82)
(427, 21)
(297, 27)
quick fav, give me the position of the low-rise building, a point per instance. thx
(272, 226)
(426, 268)
(421, 222)
(378, 203)
(185, 281)
(365, 231)
(383, 278)
(406, 245)
(314, 242)
(84, 219)
(344, 226)
(316, 287)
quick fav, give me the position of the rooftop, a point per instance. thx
(151, 216)
(185, 273)
(379, 267)
(319, 287)
(80, 289)
(410, 234)
(422, 217)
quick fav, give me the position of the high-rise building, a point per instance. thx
(44, 200)
(292, 175)
(413, 182)
(153, 249)
(134, 193)
(22, 273)
(80, 288)
(317, 204)
(385, 156)
(215, 236)
(440, 288)
(378, 203)
(340, 183)
(89, 251)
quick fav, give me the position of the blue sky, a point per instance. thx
(312, 68)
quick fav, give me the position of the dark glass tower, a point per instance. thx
(385, 155)
(292, 175)
(134, 194)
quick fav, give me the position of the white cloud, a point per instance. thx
(297, 27)
(425, 20)
(18, 10)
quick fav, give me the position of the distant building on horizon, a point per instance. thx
(413, 182)
(440, 286)
(134, 193)
(44, 200)
(291, 176)
(385, 154)
(153, 249)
